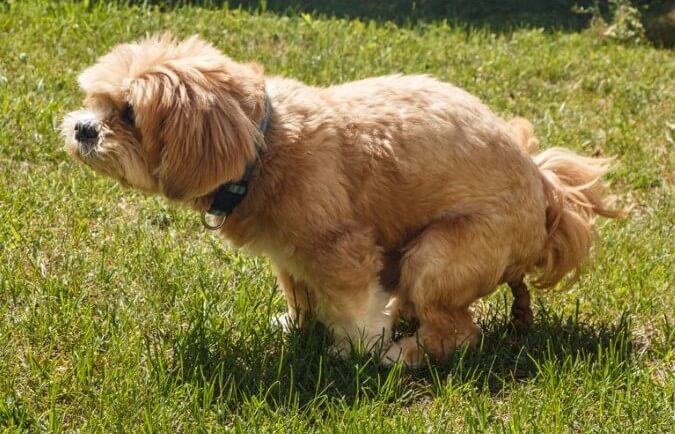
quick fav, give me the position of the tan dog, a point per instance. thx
(386, 196)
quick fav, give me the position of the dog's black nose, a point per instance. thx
(86, 131)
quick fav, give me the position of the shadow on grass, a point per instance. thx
(496, 15)
(296, 370)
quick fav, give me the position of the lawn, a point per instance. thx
(119, 312)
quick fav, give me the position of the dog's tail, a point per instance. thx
(525, 134)
(574, 196)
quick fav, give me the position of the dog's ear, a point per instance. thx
(195, 108)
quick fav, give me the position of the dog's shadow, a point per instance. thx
(297, 369)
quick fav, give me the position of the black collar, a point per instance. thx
(227, 196)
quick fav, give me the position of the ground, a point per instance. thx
(119, 312)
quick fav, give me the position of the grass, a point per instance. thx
(119, 312)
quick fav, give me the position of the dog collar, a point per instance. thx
(228, 195)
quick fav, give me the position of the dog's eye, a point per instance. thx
(127, 115)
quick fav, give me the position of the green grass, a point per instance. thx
(119, 312)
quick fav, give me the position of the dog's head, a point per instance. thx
(169, 117)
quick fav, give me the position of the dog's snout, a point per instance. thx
(86, 131)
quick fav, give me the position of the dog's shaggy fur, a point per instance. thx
(397, 195)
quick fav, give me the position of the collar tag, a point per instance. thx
(212, 227)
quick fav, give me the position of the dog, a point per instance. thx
(388, 197)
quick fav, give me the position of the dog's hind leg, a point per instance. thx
(447, 267)
(521, 311)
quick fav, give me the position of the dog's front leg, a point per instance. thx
(300, 298)
(350, 299)
(361, 323)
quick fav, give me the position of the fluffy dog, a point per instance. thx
(396, 195)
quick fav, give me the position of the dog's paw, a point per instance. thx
(284, 321)
(406, 351)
